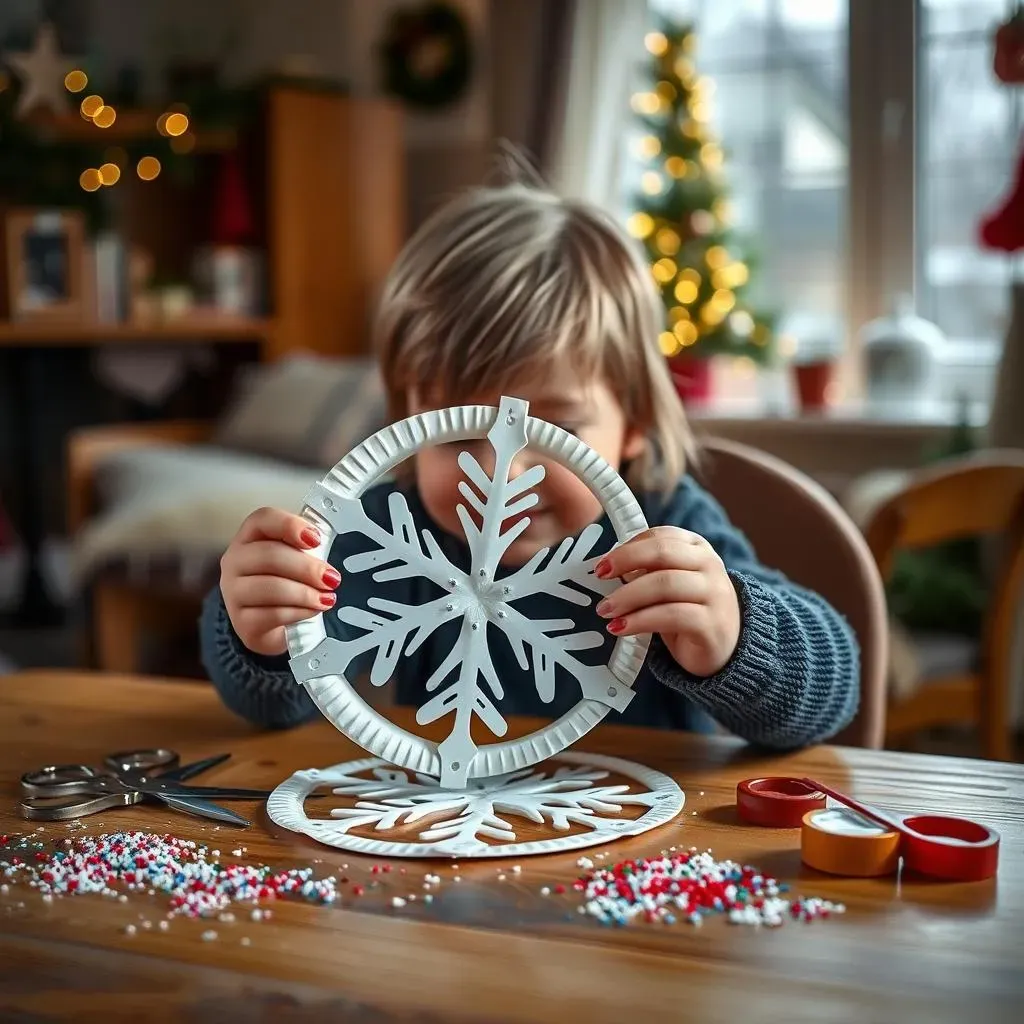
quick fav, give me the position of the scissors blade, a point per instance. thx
(187, 771)
(205, 809)
(154, 787)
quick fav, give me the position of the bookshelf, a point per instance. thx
(199, 329)
(130, 126)
(328, 185)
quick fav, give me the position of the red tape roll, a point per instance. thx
(776, 801)
(953, 849)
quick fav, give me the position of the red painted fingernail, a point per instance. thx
(328, 599)
(309, 537)
(616, 625)
(331, 578)
(603, 569)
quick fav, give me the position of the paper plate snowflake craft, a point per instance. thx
(461, 797)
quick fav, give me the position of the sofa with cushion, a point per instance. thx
(152, 506)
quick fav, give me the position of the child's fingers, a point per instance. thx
(275, 524)
(663, 618)
(655, 549)
(661, 587)
(273, 558)
(275, 591)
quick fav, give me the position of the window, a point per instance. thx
(779, 70)
(969, 126)
(866, 140)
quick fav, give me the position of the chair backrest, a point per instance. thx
(797, 527)
(968, 496)
(982, 496)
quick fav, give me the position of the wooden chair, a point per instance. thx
(796, 526)
(974, 496)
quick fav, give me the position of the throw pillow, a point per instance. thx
(305, 409)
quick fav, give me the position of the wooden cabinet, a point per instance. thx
(336, 216)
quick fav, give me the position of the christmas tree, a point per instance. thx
(682, 211)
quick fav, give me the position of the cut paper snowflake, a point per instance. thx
(493, 514)
(573, 795)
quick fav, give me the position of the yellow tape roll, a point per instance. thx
(839, 841)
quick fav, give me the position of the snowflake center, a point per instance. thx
(485, 600)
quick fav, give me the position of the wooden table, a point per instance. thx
(490, 950)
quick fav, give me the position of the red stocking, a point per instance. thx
(233, 220)
(1004, 229)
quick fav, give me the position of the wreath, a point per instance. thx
(427, 55)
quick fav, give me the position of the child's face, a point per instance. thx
(587, 409)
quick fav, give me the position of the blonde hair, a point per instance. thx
(505, 280)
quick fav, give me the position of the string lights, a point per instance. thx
(174, 124)
(682, 214)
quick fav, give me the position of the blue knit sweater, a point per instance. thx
(793, 680)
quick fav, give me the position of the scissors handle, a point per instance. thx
(57, 779)
(50, 808)
(135, 762)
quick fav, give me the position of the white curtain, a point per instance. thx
(607, 48)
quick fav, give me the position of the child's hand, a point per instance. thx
(676, 586)
(268, 581)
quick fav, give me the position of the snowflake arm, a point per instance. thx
(571, 563)
(499, 497)
(401, 555)
(596, 681)
(466, 697)
(399, 629)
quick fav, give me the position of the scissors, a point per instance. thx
(54, 792)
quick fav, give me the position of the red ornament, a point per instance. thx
(1008, 52)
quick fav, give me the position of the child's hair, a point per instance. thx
(505, 280)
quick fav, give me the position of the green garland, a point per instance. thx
(408, 71)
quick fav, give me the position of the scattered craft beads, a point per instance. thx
(138, 861)
(692, 886)
(674, 886)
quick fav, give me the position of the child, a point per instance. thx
(513, 291)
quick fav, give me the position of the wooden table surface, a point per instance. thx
(490, 950)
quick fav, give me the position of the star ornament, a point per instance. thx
(41, 73)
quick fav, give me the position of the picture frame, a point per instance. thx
(45, 263)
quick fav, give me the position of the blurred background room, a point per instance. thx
(199, 202)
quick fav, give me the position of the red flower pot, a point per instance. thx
(692, 378)
(812, 381)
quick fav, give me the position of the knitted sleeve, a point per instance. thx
(260, 689)
(794, 679)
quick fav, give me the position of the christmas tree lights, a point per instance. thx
(682, 212)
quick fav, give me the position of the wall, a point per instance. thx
(336, 38)
(447, 150)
